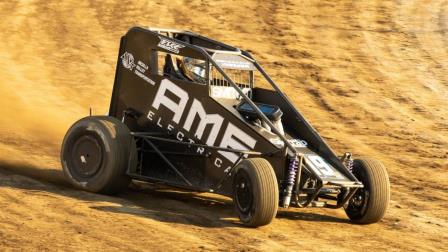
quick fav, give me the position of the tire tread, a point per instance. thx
(265, 190)
(377, 180)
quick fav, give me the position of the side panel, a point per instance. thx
(180, 110)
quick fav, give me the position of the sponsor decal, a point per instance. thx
(227, 92)
(243, 65)
(176, 102)
(169, 45)
(296, 143)
(231, 61)
(127, 59)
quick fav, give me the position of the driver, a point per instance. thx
(194, 69)
(185, 68)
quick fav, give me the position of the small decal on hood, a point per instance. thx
(296, 143)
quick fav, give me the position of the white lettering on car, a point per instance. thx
(233, 138)
(162, 99)
(169, 45)
(127, 60)
(213, 119)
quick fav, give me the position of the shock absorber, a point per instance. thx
(292, 172)
(350, 164)
(348, 161)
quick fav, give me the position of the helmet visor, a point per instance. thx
(194, 69)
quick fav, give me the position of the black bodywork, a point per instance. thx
(187, 137)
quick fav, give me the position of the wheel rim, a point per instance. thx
(243, 192)
(358, 202)
(87, 156)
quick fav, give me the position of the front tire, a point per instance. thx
(369, 204)
(95, 154)
(255, 192)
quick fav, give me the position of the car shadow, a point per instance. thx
(306, 216)
(157, 202)
(146, 200)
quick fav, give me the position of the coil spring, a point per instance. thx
(348, 161)
(350, 164)
(292, 172)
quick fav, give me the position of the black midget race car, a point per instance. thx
(195, 113)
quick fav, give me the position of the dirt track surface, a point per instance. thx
(371, 76)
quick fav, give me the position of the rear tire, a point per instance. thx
(96, 153)
(369, 204)
(255, 192)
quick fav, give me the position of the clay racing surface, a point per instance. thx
(371, 76)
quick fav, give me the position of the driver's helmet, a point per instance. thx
(194, 69)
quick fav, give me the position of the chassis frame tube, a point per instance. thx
(168, 162)
(147, 139)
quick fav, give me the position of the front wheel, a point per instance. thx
(255, 192)
(369, 204)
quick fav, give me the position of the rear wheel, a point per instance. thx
(369, 204)
(255, 192)
(96, 153)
